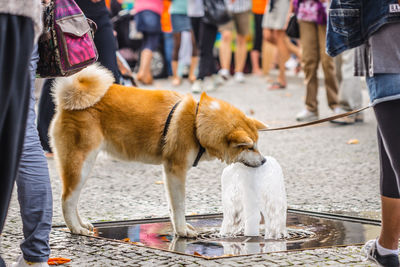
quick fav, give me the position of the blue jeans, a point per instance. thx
(34, 188)
(383, 87)
(168, 48)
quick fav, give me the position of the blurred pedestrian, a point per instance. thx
(312, 18)
(258, 9)
(207, 34)
(104, 39)
(240, 11)
(350, 95)
(180, 23)
(274, 24)
(20, 24)
(376, 34)
(148, 21)
(168, 36)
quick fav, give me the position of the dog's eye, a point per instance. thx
(251, 148)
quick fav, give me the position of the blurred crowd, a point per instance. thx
(211, 41)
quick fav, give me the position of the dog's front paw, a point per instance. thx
(188, 231)
(87, 225)
(79, 230)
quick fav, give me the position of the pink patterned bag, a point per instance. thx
(66, 45)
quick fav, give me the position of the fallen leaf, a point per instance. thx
(288, 94)
(57, 261)
(164, 238)
(193, 213)
(197, 254)
(251, 111)
(159, 182)
(353, 142)
(126, 239)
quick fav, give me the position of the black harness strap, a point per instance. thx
(166, 126)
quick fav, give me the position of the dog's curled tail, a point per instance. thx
(83, 89)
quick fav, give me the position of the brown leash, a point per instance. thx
(317, 121)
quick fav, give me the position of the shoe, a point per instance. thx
(277, 86)
(348, 120)
(371, 253)
(212, 83)
(306, 115)
(21, 262)
(197, 87)
(224, 74)
(239, 77)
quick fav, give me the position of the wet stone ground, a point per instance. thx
(322, 173)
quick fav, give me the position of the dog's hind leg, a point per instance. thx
(75, 172)
(175, 179)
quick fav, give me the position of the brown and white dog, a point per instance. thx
(93, 114)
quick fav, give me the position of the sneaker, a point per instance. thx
(371, 253)
(224, 74)
(239, 77)
(348, 120)
(21, 262)
(197, 87)
(211, 83)
(217, 79)
(306, 115)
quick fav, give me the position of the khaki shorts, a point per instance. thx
(240, 21)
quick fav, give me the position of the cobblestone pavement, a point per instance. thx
(322, 173)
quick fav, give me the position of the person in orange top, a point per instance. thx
(258, 12)
(166, 28)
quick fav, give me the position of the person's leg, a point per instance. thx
(350, 97)
(46, 110)
(194, 59)
(257, 42)
(242, 22)
(34, 189)
(388, 118)
(207, 64)
(175, 56)
(16, 42)
(106, 46)
(168, 48)
(225, 50)
(310, 60)
(283, 56)
(328, 66)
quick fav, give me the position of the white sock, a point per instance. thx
(384, 251)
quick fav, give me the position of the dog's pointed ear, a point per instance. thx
(239, 138)
(203, 96)
(259, 125)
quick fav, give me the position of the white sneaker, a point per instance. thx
(197, 87)
(306, 115)
(217, 79)
(21, 262)
(239, 77)
(212, 83)
(224, 73)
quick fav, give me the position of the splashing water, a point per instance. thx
(249, 192)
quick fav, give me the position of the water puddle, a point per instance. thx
(306, 231)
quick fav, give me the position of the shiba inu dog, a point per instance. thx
(149, 126)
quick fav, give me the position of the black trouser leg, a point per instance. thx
(388, 118)
(46, 110)
(208, 33)
(16, 43)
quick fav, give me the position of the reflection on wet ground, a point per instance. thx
(305, 232)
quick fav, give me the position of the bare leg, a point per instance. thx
(241, 53)
(255, 62)
(175, 56)
(225, 52)
(390, 231)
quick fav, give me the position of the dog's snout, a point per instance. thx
(263, 161)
